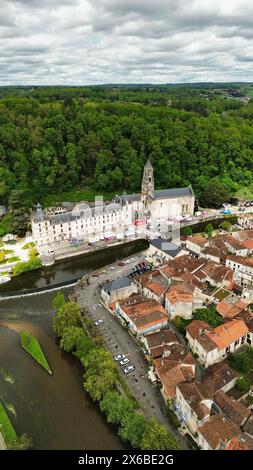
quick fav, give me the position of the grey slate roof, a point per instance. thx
(148, 164)
(166, 246)
(118, 284)
(176, 192)
(129, 197)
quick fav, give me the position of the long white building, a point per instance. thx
(122, 216)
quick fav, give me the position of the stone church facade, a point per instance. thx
(122, 217)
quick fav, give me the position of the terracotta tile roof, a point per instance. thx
(160, 341)
(198, 330)
(173, 371)
(230, 309)
(193, 280)
(143, 312)
(241, 260)
(247, 317)
(245, 234)
(226, 334)
(176, 352)
(232, 408)
(248, 244)
(241, 442)
(173, 375)
(220, 253)
(217, 272)
(196, 396)
(218, 431)
(217, 243)
(181, 264)
(197, 240)
(180, 292)
(153, 281)
(142, 307)
(218, 376)
(233, 242)
(143, 321)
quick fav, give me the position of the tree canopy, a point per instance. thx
(55, 139)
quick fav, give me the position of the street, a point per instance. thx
(119, 341)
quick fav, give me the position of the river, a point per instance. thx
(54, 410)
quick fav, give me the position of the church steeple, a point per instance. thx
(147, 187)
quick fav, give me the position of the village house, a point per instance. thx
(217, 432)
(177, 366)
(195, 244)
(233, 409)
(246, 239)
(214, 344)
(246, 221)
(142, 316)
(158, 344)
(241, 442)
(161, 250)
(212, 254)
(193, 404)
(182, 299)
(216, 275)
(153, 285)
(179, 300)
(118, 289)
(243, 268)
(231, 306)
(235, 246)
(219, 376)
(174, 269)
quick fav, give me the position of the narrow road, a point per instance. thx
(118, 340)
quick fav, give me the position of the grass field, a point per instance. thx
(76, 196)
(6, 428)
(31, 345)
(245, 193)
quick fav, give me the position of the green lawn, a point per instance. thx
(245, 193)
(6, 427)
(76, 196)
(31, 345)
(221, 294)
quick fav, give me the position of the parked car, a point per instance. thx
(124, 361)
(119, 357)
(98, 322)
(128, 369)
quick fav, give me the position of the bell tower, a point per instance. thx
(147, 187)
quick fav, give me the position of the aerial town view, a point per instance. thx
(126, 230)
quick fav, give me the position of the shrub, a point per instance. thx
(243, 384)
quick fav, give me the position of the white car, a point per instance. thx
(128, 369)
(98, 322)
(124, 361)
(119, 357)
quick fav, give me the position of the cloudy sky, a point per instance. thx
(125, 41)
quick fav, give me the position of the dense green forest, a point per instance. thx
(54, 140)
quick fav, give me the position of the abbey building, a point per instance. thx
(120, 218)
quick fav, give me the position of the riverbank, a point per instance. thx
(42, 404)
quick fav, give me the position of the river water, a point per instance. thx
(54, 410)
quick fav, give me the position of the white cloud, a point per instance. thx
(124, 41)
